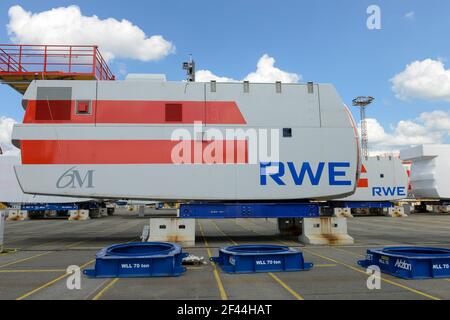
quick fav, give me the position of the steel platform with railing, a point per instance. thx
(21, 64)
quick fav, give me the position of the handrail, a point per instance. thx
(54, 59)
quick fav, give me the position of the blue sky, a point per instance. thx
(323, 41)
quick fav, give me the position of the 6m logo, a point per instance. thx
(72, 178)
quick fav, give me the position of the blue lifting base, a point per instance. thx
(211, 210)
(140, 259)
(410, 262)
(260, 258)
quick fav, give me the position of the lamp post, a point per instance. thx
(362, 102)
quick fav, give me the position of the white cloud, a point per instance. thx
(207, 76)
(438, 120)
(6, 126)
(426, 79)
(67, 25)
(410, 15)
(428, 128)
(265, 72)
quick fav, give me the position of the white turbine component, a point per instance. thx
(430, 170)
(382, 179)
(115, 140)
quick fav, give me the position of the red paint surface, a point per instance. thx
(130, 151)
(136, 112)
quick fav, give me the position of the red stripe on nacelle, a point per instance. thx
(134, 112)
(131, 151)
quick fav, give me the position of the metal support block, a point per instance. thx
(78, 215)
(343, 212)
(172, 230)
(23, 215)
(396, 212)
(441, 209)
(12, 214)
(17, 215)
(325, 230)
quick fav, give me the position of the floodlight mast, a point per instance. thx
(362, 102)
(189, 66)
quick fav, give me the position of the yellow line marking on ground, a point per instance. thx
(24, 259)
(51, 282)
(284, 285)
(102, 292)
(324, 265)
(223, 294)
(74, 244)
(31, 270)
(348, 252)
(223, 233)
(85, 248)
(8, 251)
(105, 232)
(382, 279)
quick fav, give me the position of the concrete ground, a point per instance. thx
(45, 248)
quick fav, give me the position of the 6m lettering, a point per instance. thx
(72, 178)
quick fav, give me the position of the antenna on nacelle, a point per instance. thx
(189, 66)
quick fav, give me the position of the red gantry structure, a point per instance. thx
(21, 64)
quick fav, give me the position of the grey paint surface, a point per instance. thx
(11, 192)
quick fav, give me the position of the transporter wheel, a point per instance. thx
(110, 211)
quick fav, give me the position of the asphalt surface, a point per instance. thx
(45, 248)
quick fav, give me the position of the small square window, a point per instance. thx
(287, 132)
(382, 175)
(174, 112)
(83, 107)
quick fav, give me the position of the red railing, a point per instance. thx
(53, 60)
